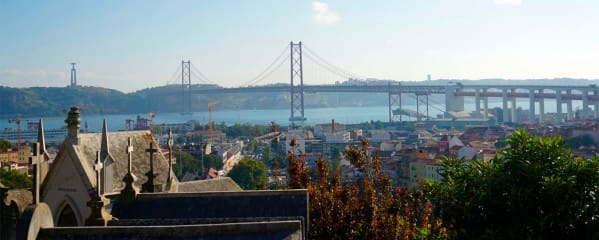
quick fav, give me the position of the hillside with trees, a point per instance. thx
(52, 101)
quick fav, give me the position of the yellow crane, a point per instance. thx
(210, 122)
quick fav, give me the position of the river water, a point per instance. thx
(344, 115)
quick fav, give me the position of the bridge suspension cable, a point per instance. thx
(331, 67)
(199, 75)
(175, 77)
(272, 67)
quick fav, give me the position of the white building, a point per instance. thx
(379, 136)
(338, 137)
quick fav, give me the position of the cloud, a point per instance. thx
(508, 2)
(323, 15)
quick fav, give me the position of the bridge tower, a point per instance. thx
(185, 86)
(73, 76)
(297, 82)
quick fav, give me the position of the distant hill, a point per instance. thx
(52, 101)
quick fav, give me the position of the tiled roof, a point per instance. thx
(221, 184)
(89, 143)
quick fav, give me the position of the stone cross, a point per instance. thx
(128, 194)
(149, 185)
(129, 152)
(170, 152)
(151, 150)
(98, 168)
(36, 169)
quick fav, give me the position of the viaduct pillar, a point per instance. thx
(595, 106)
(585, 104)
(541, 107)
(558, 104)
(453, 103)
(477, 100)
(486, 105)
(504, 105)
(531, 108)
(569, 106)
(514, 118)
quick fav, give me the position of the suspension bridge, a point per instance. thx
(296, 54)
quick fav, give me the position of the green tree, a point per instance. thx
(186, 163)
(5, 144)
(585, 140)
(536, 190)
(213, 161)
(15, 179)
(249, 174)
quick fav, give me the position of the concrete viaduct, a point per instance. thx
(454, 96)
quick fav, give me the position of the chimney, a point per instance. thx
(333, 126)
(73, 125)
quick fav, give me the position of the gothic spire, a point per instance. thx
(104, 145)
(41, 138)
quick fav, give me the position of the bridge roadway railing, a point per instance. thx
(494, 90)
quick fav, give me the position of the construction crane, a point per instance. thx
(210, 123)
(18, 122)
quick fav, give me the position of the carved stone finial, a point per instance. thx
(170, 153)
(169, 179)
(73, 122)
(128, 194)
(98, 216)
(98, 168)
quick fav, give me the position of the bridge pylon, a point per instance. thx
(185, 86)
(297, 82)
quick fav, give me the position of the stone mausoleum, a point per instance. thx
(118, 185)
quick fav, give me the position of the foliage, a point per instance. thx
(186, 163)
(212, 161)
(585, 140)
(372, 125)
(249, 174)
(5, 144)
(335, 153)
(14, 179)
(536, 190)
(245, 130)
(368, 208)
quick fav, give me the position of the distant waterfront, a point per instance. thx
(344, 115)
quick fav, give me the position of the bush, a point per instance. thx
(368, 208)
(536, 190)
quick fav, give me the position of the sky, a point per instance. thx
(131, 45)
